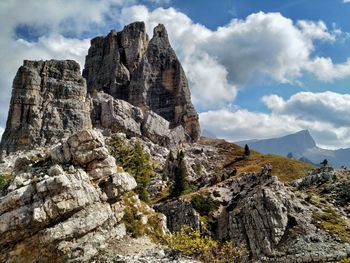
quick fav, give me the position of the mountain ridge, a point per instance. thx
(302, 146)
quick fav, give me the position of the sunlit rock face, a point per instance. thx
(48, 103)
(145, 73)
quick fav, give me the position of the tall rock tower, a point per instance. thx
(48, 103)
(145, 73)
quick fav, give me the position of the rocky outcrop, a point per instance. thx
(68, 206)
(179, 213)
(48, 103)
(275, 224)
(146, 74)
(119, 115)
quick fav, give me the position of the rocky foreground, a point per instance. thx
(79, 152)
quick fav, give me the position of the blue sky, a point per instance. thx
(256, 69)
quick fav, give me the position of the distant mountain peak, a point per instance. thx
(302, 137)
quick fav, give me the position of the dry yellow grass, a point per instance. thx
(229, 154)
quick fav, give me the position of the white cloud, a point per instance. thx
(243, 124)
(327, 71)
(346, 1)
(330, 107)
(258, 49)
(316, 30)
(326, 115)
(56, 18)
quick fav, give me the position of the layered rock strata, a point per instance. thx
(48, 103)
(66, 206)
(145, 73)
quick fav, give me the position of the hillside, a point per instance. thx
(300, 145)
(230, 156)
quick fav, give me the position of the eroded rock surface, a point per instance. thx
(275, 224)
(118, 115)
(145, 73)
(48, 103)
(179, 213)
(70, 206)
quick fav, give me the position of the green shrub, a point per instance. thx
(204, 205)
(181, 185)
(135, 161)
(133, 225)
(132, 219)
(2, 181)
(198, 169)
(191, 243)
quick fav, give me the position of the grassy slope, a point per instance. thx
(286, 169)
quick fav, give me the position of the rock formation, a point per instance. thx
(70, 205)
(146, 74)
(275, 224)
(48, 103)
(119, 115)
(179, 213)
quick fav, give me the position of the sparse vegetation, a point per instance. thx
(5, 177)
(191, 243)
(331, 220)
(204, 205)
(135, 161)
(246, 150)
(180, 185)
(230, 155)
(133, 219)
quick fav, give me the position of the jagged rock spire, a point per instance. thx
(146, 74)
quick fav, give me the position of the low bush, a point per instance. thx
(135, 161)
(204, 205)
(191, 243)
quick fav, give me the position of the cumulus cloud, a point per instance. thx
(327, 106)
(57, 18)
(243, 124)
(325, 114)
(261, 48)
(316, 30)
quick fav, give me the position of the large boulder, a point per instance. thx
(179, 213)
(119, 115)
(146, 74)
(48, 103)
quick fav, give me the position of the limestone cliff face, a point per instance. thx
(113, 58)
(48, 103)
(146, 74)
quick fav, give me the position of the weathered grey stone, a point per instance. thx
(179, 213)
(146, 74)
(119, 115)
(67, 216)
(48, 103)
(118, 184)
(55, 170)
(116, 114)
(160, 84)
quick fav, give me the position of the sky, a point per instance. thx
(256, 69)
